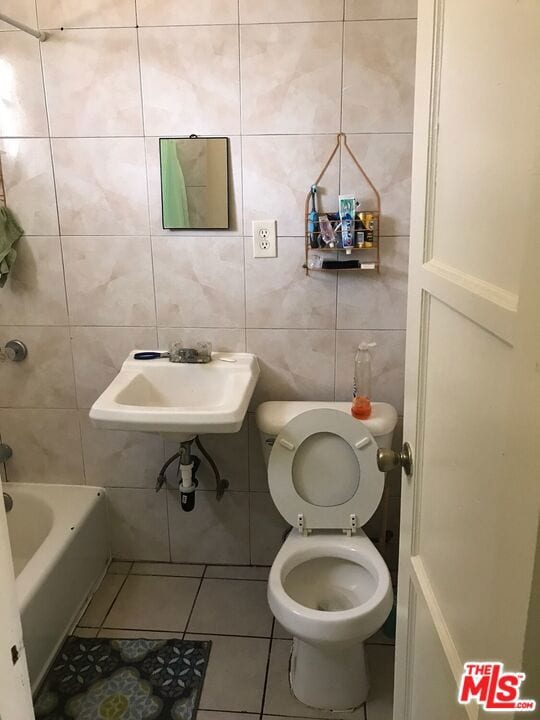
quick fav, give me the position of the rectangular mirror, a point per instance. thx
(194, 183)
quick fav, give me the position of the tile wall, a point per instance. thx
(80, 118)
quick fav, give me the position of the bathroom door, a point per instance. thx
(472, 391)
(15, 695)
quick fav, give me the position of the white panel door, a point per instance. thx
(472, 396)
(15, 694)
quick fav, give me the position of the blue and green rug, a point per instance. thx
(103, 679)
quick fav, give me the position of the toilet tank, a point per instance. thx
(272, 417)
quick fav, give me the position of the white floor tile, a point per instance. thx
(153, 603)
(279, 698)
(380, 661)
(238, 572)
(232, 607)
(235, 677)
(171, 569)
(102, 600)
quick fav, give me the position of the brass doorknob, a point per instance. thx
(390, 459)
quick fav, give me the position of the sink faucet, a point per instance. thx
(201, 353)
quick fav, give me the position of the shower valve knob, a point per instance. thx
(15, 350)
(390, 459)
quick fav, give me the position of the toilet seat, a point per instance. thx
(323, 472)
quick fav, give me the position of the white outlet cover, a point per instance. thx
(264, 238)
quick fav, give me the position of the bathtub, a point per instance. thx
(60, 550)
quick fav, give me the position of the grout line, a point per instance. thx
(215, 25)
(181, 136)
(225, 635)
(266, 673)
(113, 601)
(340, 167)
(61, 247)
(193, 606)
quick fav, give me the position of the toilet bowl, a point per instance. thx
(328, 586)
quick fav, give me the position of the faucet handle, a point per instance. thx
(204, 351)
(175, 349)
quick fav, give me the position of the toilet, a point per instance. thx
(329, 586)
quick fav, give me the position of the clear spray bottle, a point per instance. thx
(361, 401)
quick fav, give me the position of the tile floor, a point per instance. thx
(248, 669)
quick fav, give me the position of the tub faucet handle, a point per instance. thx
(8, 502)
(14, 350)
(5, 452)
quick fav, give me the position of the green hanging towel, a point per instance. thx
(10, 232)
(173, 188)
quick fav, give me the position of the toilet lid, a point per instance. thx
(323, 471)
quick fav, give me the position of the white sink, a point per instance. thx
(179, 400)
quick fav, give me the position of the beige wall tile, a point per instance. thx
(278, 173)
(23, 10)
(85, 13)
(190, 80)
(378, 76)
(377, 301)
(258, 478)
(22, 101)
(98, 354)
(113, 458)
(388, 364)
(137, 526)
(199, 281)
(289, 77)
(379, 9)
(215, 532)
(235, 191)
(92, 82)
(266, 528)
(295, 364)
(109, 280)
(187, 12)
(387, 161)
(46, 446)
(29, 184)
(222, 339)
(45, 378)
(101, 186)
(34, 293)
(282, 11)
(279, 294)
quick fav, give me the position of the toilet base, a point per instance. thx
(329, 677)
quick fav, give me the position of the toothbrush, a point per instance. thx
(312, 219)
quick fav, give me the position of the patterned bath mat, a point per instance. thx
(103, 679)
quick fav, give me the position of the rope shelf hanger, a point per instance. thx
(358, 226)
(41, 36)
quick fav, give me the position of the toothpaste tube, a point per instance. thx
(347, 205)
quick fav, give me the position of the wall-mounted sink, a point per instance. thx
(179, 400)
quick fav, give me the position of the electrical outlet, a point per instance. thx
(264, 238)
